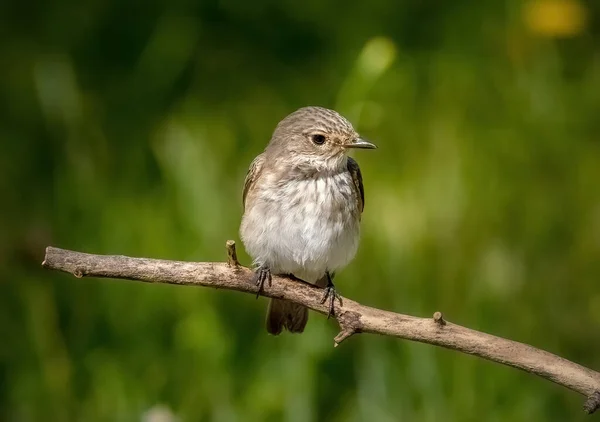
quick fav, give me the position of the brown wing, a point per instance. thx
(354, 170)
(252, 175)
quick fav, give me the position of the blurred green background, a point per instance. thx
(127, 128)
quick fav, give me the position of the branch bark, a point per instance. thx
(352, 317)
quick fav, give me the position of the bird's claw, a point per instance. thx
(261, 275)
(331, 294)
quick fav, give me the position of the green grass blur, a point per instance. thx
(127, 128)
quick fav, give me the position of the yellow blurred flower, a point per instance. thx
(555, 18)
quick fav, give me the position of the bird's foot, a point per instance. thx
(330, 294)
(262, 274)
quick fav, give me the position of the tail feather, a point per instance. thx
(291, 316)
(283, 314)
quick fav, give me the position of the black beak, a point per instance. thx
(360, 143)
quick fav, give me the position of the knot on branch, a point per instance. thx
(438, 318)
(232, 258)
(350, 324)
(592, 403)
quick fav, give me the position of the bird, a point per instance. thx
(303, 198)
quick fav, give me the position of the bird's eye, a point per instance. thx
(318, 139)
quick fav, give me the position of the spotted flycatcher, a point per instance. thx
(303, 199)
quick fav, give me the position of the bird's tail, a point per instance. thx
(283, 314)
(289, 315)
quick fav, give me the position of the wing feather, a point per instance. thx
(354, 170)
(253, 174)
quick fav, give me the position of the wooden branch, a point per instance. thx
(352, 317)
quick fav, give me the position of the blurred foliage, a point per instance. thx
(127, 128)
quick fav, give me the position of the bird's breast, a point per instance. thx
(303, 226)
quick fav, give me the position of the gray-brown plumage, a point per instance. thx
(303, 198)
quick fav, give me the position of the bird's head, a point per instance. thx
(316, 137)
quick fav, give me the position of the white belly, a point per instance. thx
(305, 228)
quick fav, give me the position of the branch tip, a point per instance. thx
(232, 259)
(438, 318)
(45, 261)
(592, 403)
(343, 335)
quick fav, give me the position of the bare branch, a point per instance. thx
(352, 317)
